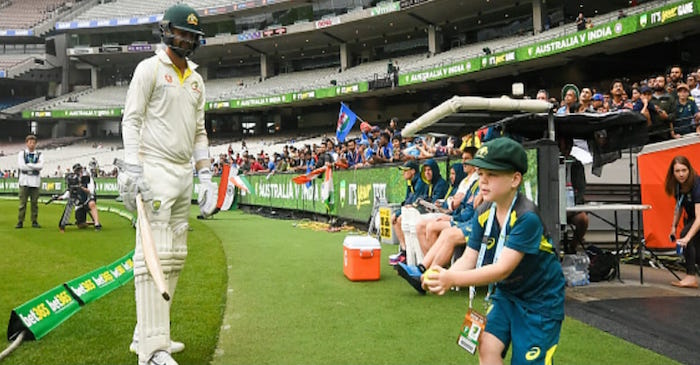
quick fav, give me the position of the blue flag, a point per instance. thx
(346, 119)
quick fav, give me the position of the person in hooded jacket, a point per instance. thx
(436, 185)
(457, 175)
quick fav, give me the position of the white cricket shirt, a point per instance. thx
(164, 112)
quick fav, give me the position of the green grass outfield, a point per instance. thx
(287, 301)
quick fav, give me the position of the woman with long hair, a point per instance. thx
(683, 183)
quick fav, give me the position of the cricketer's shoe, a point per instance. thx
(397, 257)
(175, 347)
(161, 357)
(411, 274)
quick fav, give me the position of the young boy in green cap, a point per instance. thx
(509, 249)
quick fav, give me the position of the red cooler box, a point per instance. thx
(362, 256)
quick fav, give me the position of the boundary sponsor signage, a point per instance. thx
(47, 311)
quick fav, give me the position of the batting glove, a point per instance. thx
(131, 183)
(208, 192)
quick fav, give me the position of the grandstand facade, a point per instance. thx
(66, 68)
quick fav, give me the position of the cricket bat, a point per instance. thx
(149, 249)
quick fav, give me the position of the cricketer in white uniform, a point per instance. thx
(162, 130)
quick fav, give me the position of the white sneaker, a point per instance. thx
(161, 357)
(175, 347)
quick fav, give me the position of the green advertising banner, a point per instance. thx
(385, 8)
(42, 314)
(105, 187)
(438, 73)
(100, 282)
(498, 59)
(123, 269)
(86, 289)
(668, 13)
(583, 38)
(326, 92)
(354, 191)
(73, 113)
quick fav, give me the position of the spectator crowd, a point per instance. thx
(669, 101)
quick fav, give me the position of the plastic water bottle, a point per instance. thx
(679, 249)
(575, 269)
(570, 201)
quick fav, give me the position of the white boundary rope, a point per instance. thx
(15, 344)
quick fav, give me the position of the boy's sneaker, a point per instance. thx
(19, 225)
(36, 224)
(98, 227)
(397, 258)
(411, 274)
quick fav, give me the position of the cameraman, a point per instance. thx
(81, 195)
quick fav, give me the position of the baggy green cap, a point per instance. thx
(501, 154)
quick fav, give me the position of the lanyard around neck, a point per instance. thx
(484, 243)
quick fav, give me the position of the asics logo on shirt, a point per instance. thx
(533, 354)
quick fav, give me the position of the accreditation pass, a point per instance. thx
(472, 329)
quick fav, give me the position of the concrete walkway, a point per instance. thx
(654, 315)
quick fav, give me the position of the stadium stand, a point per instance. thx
(130, 8)
(26, 14)
(9, 61)
(250, 87)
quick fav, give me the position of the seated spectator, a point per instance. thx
(597, 103)
(665, 104)
(425, 149)
(584, 101)
(580, 22)
(396, 148)
(617, 100)
(569, 96)
(450, 232)
(576, 179)
(256, 165)
(384, 152)
(323, 156)
(351, 157)
(542, 94)
(436, 185)
(368, 151)
(635, 95)
(244, 166)
(687, 114)
(657, 129)
(415, 188)
(411, 149)
(694, 88)
(393, 126)
(330, 150)
(365, 129)
(376, 131)
(428, 229)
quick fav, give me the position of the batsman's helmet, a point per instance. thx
(184, 18)
(77, 167)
